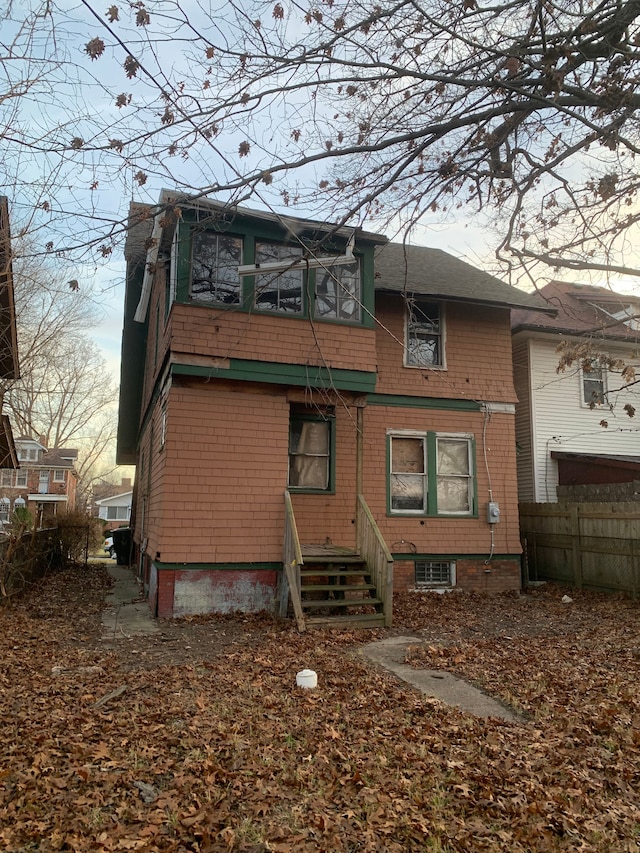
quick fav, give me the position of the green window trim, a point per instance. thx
(430, 475)
(301, 419)
(182, 263)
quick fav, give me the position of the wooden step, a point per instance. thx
(352, 620)
(333, 573)
(334, 587)
(326, 559)
(320, 603)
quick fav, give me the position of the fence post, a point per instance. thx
(576, 553)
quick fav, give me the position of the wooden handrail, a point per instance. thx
(292, 562)
(373, 550)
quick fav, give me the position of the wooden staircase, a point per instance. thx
(336, 589)
(331, 585)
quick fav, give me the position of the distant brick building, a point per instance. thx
(44, 483)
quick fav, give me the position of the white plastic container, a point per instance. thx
(307, 678)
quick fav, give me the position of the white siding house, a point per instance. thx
(578, 410)
(116, 509)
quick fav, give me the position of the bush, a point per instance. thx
(79, 534)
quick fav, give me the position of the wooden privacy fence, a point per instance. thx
(583, 544)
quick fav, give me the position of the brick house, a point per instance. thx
(275, 369)
(44, 483)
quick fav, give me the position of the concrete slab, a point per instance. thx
(445, 686)
(126, 612)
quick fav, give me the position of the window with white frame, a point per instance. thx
(58, 475)
(431, 473)
(434, 573)
(214, 268)
(338, 293)
(6, 477)
(593, 383)
(408, 475)
(454, 478)
(5, 509)
(117, 513)
(279, 290)
(424, 334)
(21, 478)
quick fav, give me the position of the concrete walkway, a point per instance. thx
(126, 612)
(445, 686)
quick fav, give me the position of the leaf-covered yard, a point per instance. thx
(198, 740)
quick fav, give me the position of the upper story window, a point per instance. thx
(338, 293)
(214, 269)
(58, 476)
(424, 338)
(593, 383)
(280, 290)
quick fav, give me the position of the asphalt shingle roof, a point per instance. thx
(432, 272)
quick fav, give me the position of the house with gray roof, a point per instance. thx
(288, 380)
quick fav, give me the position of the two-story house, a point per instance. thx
(44, 483)
(572, 420)
(280, 376)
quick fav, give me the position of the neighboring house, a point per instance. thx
(260, 358)
(8, 339)
(571, 425)
(115, 510)
(103, 489)
(44, 483)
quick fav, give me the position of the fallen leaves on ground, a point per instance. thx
(204, 743)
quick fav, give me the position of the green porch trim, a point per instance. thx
(216, 567)
(407, 402)
(397, 555)
(274, 373)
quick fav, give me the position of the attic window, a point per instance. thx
(282, 290)
(214, 273)
(424, 334)
(338, 293)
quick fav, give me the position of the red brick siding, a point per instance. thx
(471, 576)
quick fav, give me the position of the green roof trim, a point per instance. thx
(406, 401)
(306, 376)
(216, 567)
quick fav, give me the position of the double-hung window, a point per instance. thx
(280, 290)
(338, 293)
(310, 453)
(214, 269)
(593, 383)
(431, 474)
(453, 474)
(21, 478)
(424, 334)
(408, 477)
